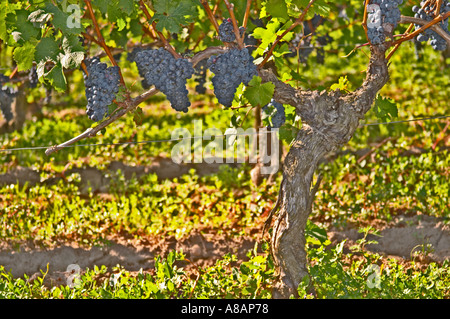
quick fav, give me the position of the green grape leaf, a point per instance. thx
(67, 23)
(136, 28)
(3, 29)
(25, 30)
(73, 52)
(277, 8)
(24, 56)
(127, 6)
(102, 5)
(116, 14)
(47, 49)
(266, 35)
(257, 93)
(171, 14)
(342, 85)
(385, 108)
(315, 234)
(320, 7)
(57, 78)
(297, 77)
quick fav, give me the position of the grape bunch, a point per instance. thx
(102, 84)
(230, 70)
(200, 76)
(131, 57)
(33, 77)
(226, 31)
(277, 112)
(390, 16)
(7, 95)
(427, 13)
(167, 74)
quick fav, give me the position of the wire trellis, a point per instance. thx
(197, 137)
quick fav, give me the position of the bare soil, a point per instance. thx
(406, 237)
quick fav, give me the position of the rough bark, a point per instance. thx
(330, 120)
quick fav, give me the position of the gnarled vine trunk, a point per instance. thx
(330, 120)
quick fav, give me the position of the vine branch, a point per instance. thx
(247, 13)
(298, 21)
(129, 105)
(436, 28)
(210, 14)
(429, 24)
(364, 22)
(230, 8)
(166, 43)
(101, 40)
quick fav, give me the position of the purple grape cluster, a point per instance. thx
(168, 74)
(200, 76)
(230, 70)
(7, 95)
(226, 31)
(102, 84)
(277, 113)
(131, 57)
(390, 16)
(437, 42)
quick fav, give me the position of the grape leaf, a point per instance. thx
(25, 30)
(266, 35)
(73, 52)
(277, 8)
(47, 49)
(102, 5)
(61, 20)
(127, 6)
(24, 56)
(342, 85)
(257, 93)
(171, 14)
(3, 29)
(385, 108)
(57, 78)
(320, 7)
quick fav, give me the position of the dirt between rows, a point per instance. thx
(406, 237)
(423, 237)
